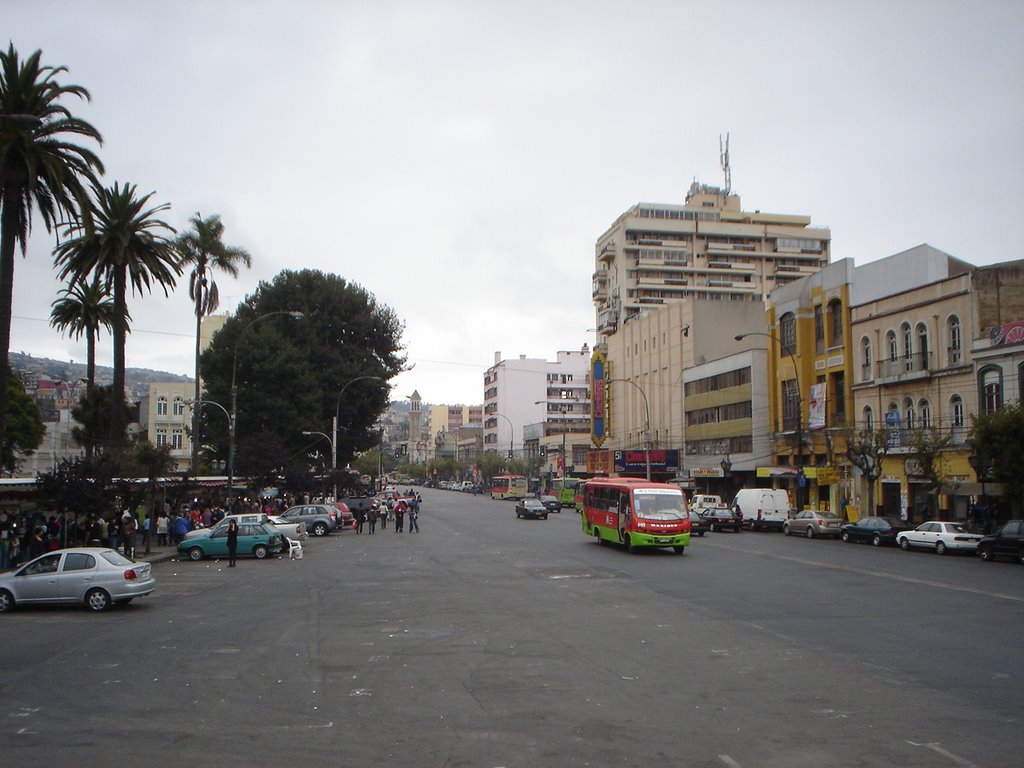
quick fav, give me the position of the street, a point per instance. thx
(490, 641)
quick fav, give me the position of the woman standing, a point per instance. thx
(232, 542)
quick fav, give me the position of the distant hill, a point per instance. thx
(136, 379)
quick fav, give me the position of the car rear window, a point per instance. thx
(115, 558)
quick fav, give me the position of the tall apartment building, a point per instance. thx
(531, 390)
(707, 248)
(444, 423)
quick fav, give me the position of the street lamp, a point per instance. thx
(799, 412)
(647, 424)
(233, 416)
(199, 404)
(334, 456)
(726, 465)
(334, 431)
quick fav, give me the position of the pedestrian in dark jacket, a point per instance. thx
(232, 542)
(400, 508)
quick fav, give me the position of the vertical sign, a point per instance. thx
(598, 380)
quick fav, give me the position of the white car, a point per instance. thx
(940, 536)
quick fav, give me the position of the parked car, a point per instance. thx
(347, 518)
(698, 525)
(257, 539)
(721, 519)
(1008, 541)
(531, 508)
(812, 523)
(877, 530)
(290, 529)
(551, 503)
(762, 507)
(940, 536)
(91, 576)
(319, 519)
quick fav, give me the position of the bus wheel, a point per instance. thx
(679, 550)
(626, 543)
(597, 535)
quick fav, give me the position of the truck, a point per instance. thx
(766, 508)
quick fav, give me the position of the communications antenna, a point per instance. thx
(723, 157)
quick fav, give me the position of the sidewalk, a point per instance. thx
(156, 554)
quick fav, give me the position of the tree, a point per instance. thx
(203, 248)
(145, 460)
(998, 438)
(260, 459)
(866, 449)
(289, 372)
(40, 171)
(490, 464)
(92, 413)
(75, 486)
(927, 446)
(25, 427)
(84, 309)
(121, 242)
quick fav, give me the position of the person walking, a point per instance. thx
(400, 509)
(128, 536)
(414, 515)
(232, 542)
(371, 518)
(360, 520)
(162, 524)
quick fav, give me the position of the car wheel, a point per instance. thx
(1020, 557)
(196, 553)
(6, 601)
(260, 552)
(940, 548)
(876, 540)
(711, 527)
(701, 534)
(320, 529)
(845, 536)
(97, 600)
(810, 532)
(985, 554)
(679, 550)
(904, 544)
(786, 531)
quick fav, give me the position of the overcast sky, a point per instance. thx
(459, 159)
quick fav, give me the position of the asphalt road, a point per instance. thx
(488, 641)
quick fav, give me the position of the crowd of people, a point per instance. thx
(390, 510)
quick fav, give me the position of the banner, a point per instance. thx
(816, 406)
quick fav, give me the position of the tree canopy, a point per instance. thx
(290, 371)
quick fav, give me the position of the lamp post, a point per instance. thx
(799, 413)
(511, 432)
(233, 416)
(334, 455)
(647, 423)
(197, 405)
(334, 430)
(726, 464)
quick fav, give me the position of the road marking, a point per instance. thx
(935, 747)
(729, 761)
(879, 574)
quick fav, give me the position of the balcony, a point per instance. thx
(908, 368)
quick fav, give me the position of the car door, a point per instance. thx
(77, 573)
(38, 581)
(217, 543)
(1008, 539)
(248, 537)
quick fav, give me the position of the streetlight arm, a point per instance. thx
(647, 425)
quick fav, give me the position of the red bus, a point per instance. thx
(636, 513)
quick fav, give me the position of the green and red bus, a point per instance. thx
(509, 487)
(636, 513)
(564, 489)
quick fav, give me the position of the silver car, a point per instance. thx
(813, 523)
(92, 576)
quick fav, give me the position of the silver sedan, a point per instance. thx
(91, 576)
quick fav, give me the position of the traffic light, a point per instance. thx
(398, 452)
(510, 453)
(543, 452)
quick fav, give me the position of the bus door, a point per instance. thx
(622, 518)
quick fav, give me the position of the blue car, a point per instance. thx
(257, 539)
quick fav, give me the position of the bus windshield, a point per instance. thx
(658, 504)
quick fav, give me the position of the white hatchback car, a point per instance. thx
(940, 536)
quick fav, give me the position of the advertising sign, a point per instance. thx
(816, 407)
(636, 461)
(598, 384)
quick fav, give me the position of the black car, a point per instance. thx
(698, 525)
(551, 503)
(531, 508)
(719, 519)
(1008, 541)
(877, 530)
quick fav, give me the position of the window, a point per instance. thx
(908, 346)
(835, 316)
(161, 437)
(78, 561)
(839, 397)
(179, 405)
(161, 406)
(908, 413)
(869, 419)
(990, 381)
(865, 359)
(954, 339)
(819, 330)
(790, 404)
(956, 406)
(922, 347)
(890, 342)
(787, 332)
(177, 439)
(924, 409)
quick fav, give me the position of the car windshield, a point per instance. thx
(658, 505)
(115, 558)
(532, 503)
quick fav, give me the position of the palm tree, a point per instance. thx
(121, 242)
(39, 170)
(82, 311)
(203, 247)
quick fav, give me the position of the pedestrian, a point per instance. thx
(113, 532)
(232, 542)
(400, 509)
(96, 533)
(360, 519)
(162, 524)
(414, 516)
(128, 535)
(371, 518)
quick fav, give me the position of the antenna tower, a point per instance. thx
(723, 158)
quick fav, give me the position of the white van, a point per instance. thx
(762, 507)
